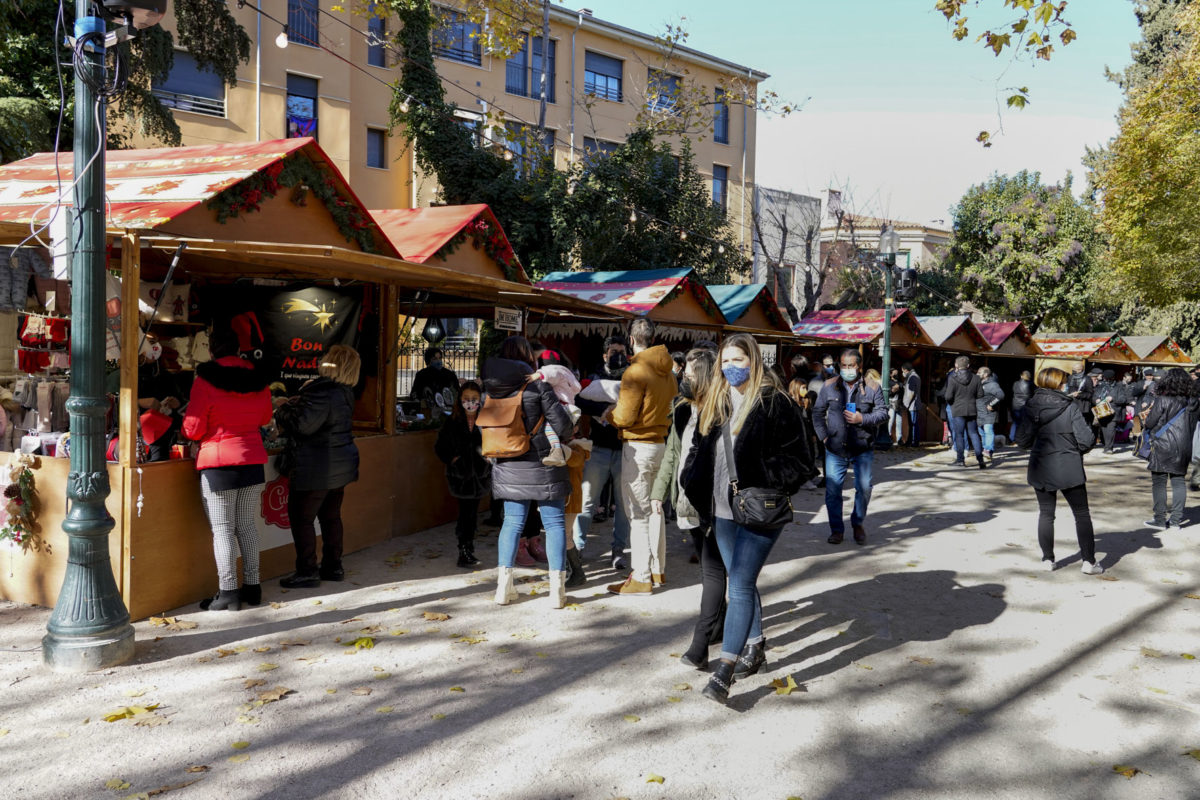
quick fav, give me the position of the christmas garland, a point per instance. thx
(696, 290)
(300, 173)
(491, 239)
(20, 509)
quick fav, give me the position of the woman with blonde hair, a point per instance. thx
(1056, 434)
(750, 454)
(319, 421)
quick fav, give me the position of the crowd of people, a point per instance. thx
(713, 439)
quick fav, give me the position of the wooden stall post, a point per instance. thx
(131, 275)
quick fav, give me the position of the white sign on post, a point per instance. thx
(508, 319)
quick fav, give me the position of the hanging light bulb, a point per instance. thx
(683, 236)
(570, 188)
(720, 248)
(404, 104)
(633, 215)
(281, 41)
(508, 155)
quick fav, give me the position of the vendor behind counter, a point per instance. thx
(159, 400)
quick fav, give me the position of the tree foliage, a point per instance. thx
(1023, 249)
(1180, 321)
(1150, 179)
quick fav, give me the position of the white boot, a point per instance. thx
(505, 591)
(558, 588)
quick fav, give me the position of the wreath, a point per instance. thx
(20, 525)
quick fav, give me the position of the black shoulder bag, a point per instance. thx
(757, 509)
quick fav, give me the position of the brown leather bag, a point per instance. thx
(502, 426)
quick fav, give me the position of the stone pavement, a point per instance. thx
(937, 662)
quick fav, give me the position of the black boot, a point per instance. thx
(251, 593)
(982, 463)
(331, 571)
(696, 656)
(718, 685)
(575, 573)
(752, 659)
(299, 580)
(225, 599)
(466, 556)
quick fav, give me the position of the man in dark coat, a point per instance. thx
(963, 388)
(1022, 390)
(1170, 423)
(846, 419)
(1081, 387)
(1115, 394)
(436, 386)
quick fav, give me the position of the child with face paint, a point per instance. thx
(468, 473)
(158, 400)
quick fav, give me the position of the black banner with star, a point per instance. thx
(292, 326)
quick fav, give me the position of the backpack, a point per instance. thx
(502, 427)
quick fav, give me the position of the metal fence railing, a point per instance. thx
(462, 359)
(190, 102)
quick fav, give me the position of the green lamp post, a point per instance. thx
(889, 243)
(89, 628)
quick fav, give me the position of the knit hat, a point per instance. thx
(1109, 375)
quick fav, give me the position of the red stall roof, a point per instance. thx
(641, 292)
(858, 325)
(422, 233)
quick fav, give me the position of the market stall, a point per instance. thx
(1063, 350)
(1009, 339)
(309, 268)
(751, 306)
(957, 334)
(1157, 350)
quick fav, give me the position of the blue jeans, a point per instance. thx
(966, 428)
(914, 434)
(603, 464)
(950, 424)
(1018, 414)
(553, 521)
(835, 477)
(744, 552)
(989, 436)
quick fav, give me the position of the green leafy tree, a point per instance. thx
(30, 99)
(1180, 321)
(1024, 249)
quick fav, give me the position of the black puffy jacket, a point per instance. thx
(1171, 450)
(525, 477)
(320, 423)
(772, 451)
(468, 474)
(1022, 390)
(1057, 436)
(962, 390)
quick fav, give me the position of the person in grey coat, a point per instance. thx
(523, 480)
(987, 407)
(962, 390)
(1056, 434)
(1022, 390)
(912, 402)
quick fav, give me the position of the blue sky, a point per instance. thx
(896, 103)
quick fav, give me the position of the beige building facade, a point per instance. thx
(332, 80)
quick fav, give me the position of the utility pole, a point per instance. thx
(889, 243)
(89, 628)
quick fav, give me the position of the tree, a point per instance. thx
(1023, 249)
(1180, 321)
(1150, 180)
(31, 49)
(786, 231)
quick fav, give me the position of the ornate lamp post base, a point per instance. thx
(88, 653)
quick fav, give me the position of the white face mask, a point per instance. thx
(151, 351)
(470, 406)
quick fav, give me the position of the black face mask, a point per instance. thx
(685, 389)
(616, 364)
(830, 369)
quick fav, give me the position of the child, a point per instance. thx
(468, 473)
(565, 386)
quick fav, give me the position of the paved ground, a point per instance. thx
(937, 662)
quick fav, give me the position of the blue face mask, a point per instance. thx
(736, 375)
(849, 375)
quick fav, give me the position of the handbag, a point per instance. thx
(756, 509)
(1147, 443)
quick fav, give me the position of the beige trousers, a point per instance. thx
(647, 545)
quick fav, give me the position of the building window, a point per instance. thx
(301, 106)
(189, 88)
(376, 39)
(662, 91)
(472, 122)
(523, 72)
(721, 187)
(521, 141)
(721, 118)
(457, 38)
(303, 22)
(376, 148)
(596, 149)
(602, 76)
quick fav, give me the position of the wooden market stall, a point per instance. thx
(750, 305)
(1063, 350)
(309, 259)
(1158, 351)
(956, 333)
(1009, 339)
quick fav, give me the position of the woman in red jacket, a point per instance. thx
(229, 403)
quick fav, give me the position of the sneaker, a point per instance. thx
(1048, 564)
(1178, 525)
(631, 587)
(1092, 569)
(1158, 526)
(658, 578)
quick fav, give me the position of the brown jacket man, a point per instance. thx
(648, 389)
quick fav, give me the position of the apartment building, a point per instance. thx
(327, 75)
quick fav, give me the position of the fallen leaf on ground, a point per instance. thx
(310, 660)
(275, 695)
(631, 718)
(241, 745)
(1188, 656)
(572, 606)
(263, 649)
(471, 640)
(173, 786)
(433, 629)
(1150, 652)
(504, 649)
(1045, 611)
(138, 692)
(682, 687)
(963, 711)
(246, 719)
(204, 659)
(151, 721)
(384, 709)
(223, 653)
(457, 689)
(1128, 772)
(4, 731)
(198, 768)
(437, 716)
(128, 712)
(364, 643)
(786, 685)
(381, 675)
(540, 654)
(397, 632)
(912, 564)
(360, 690)
(1193, 752)
(240, 758)
(652, 778)
(863, 666)
(266, 666)
(370, 629)
(316, 602)
(1156, 691)
(286, 643)
(1109, 578)
(116, 784)
(517, 670)
(162, 622)
(921, 660)
(435, 616)
(1192, 596)
(673, 699)
(352, 619)
(276, 605)
(331, 691)
(251, 683)
(525, 634)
